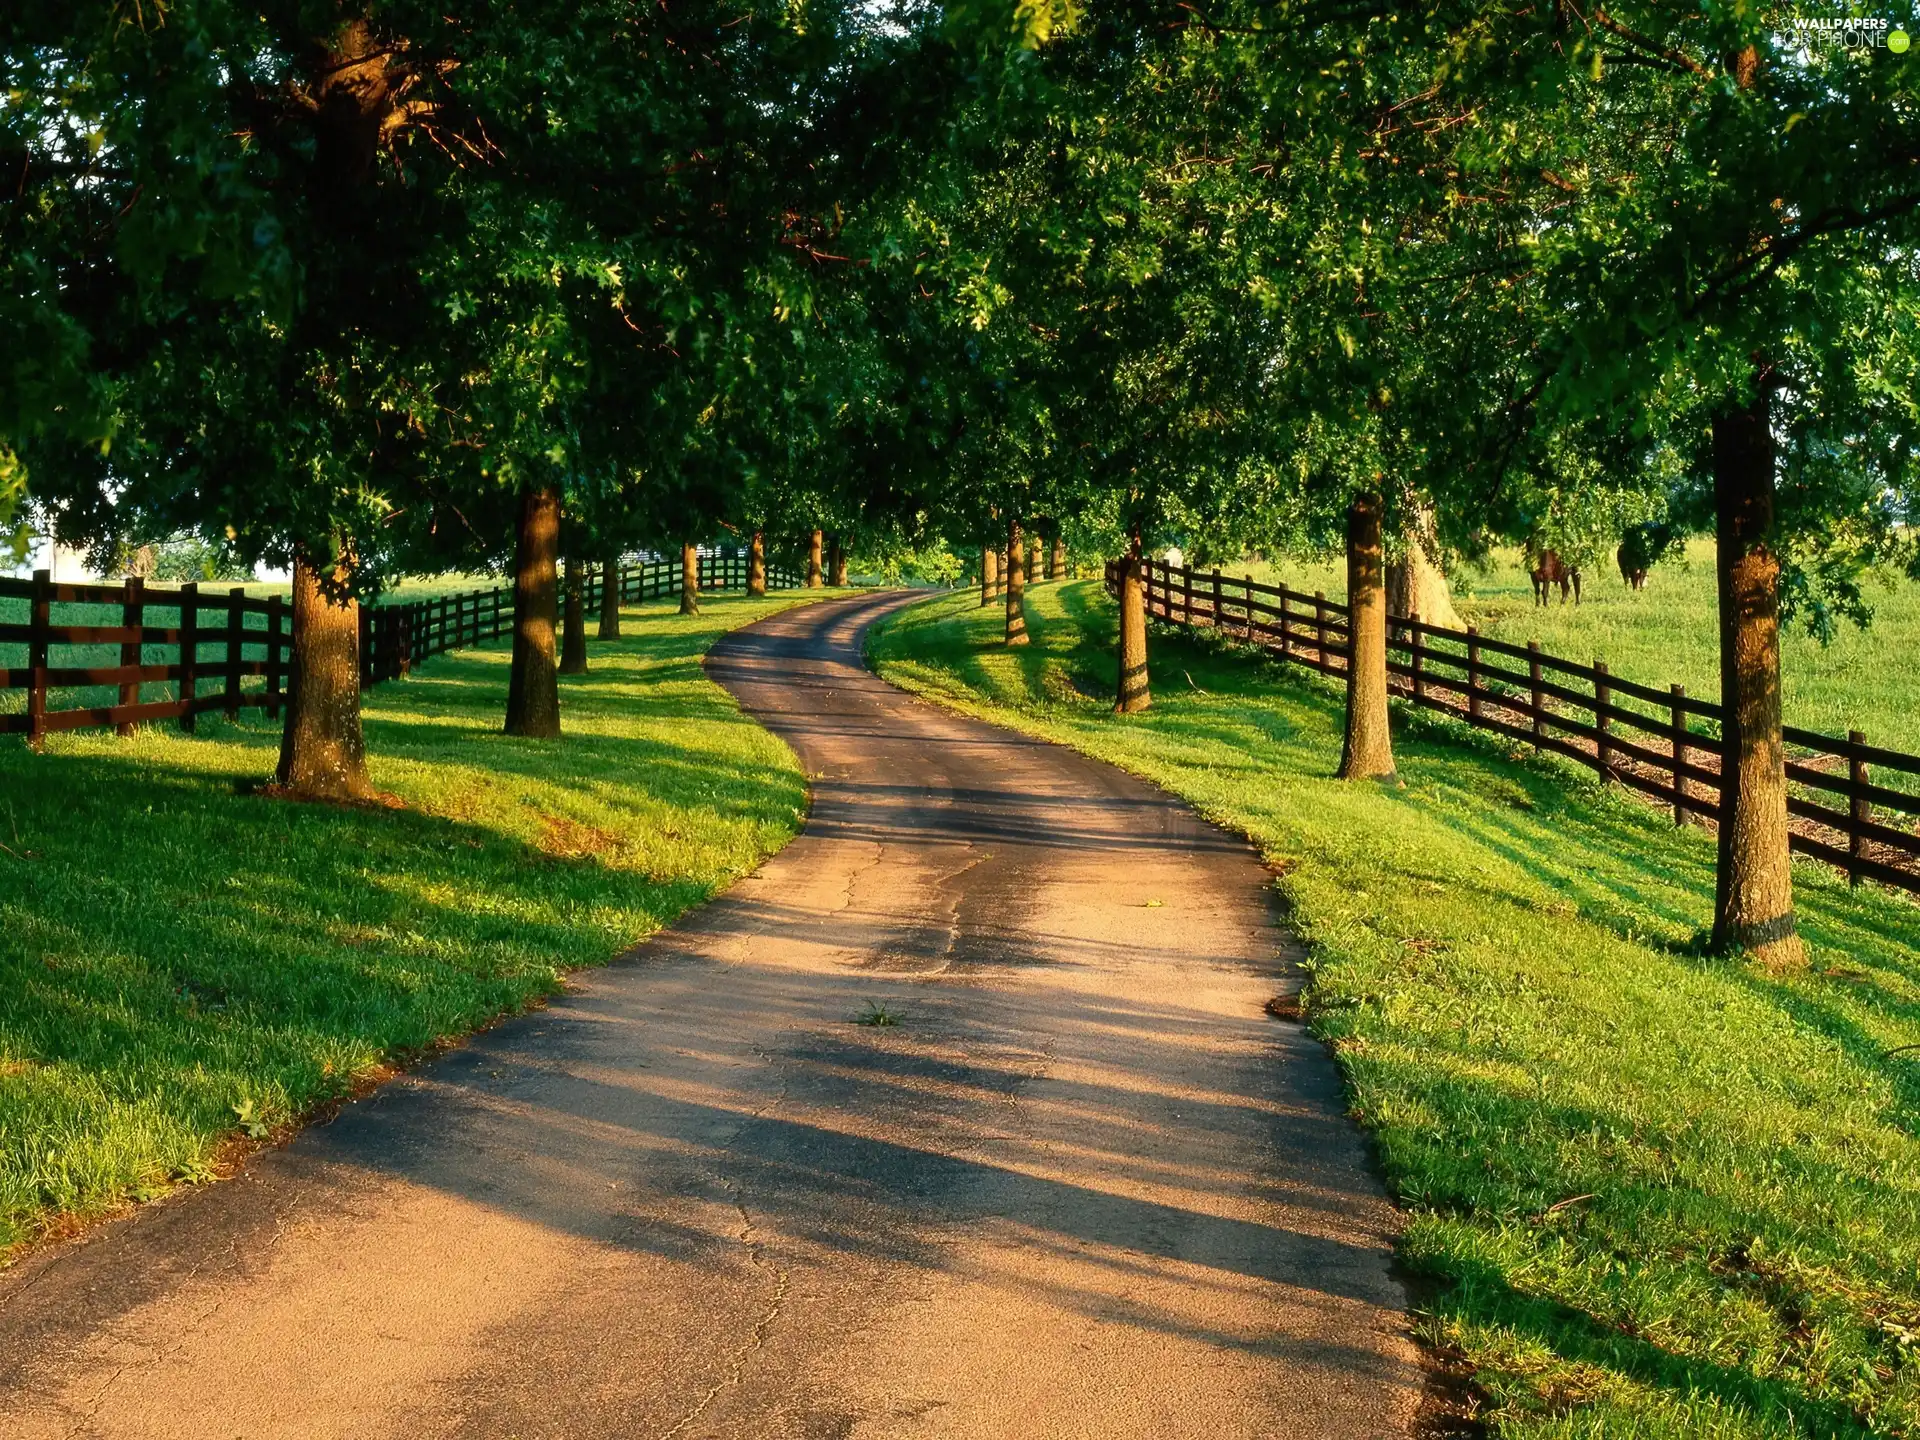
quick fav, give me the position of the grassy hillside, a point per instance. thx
(1655, 1194)
(1865, 680)
(180, 960)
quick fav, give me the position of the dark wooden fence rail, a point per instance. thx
(187, 651)
(1663, 743)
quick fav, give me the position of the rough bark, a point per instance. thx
(610, 598)
(1057, 559)
(533, 688)
(356, 92)
(814, 543)
(1753, 890)
(689, 579)
(1134, 692)
(323, 755)
(1416, 585)
(1368, 752)
(1016, 586)
(837, 571)
(989, 574)
(757, 565)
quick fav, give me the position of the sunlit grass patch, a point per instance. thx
(1656, 1194)
(180, 959)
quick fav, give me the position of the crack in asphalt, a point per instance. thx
(227, 1259)
(756, 1256)
(763, 1327)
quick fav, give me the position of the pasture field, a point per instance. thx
(1865, 680)
(1648, 1193)
(182, 961)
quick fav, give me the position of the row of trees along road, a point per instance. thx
(1419, 283)
(374, 287)
(382, 288)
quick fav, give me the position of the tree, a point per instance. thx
(1016, 633)
(573, 640)
(323, 753)
(610, 596)
(1367, 753)
(1133, 693)
(757, 564)
(1697, 232)
(689, 578)
(533, 687)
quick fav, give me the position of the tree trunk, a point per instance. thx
(323, 755)
(814, 543)
(1416, 585)
(1134, 694)
(1016, 586)
(533, 689)
(1057, 559)
(1034, 558)
(610, 598)
(573, 634)
(1753, 890)
(1368, 753)
(989, 574)
(689, 579)
(837, 572)
(757, 564)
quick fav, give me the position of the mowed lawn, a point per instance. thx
(1651, 1193)
(180, 960)
(1865, 680)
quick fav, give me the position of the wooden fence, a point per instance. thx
(187, 651)
(1662, 743)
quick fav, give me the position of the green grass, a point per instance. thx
(1865, 680)
(180, 961)
(1653, 1194)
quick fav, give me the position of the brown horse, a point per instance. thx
(1632, 569)
(1548, 570)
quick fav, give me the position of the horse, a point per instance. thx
(1641, 546)
(1547, 570)
(1631, 571)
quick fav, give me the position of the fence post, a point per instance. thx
(275, 665)
(132, 616)
(406, 642)
(1602, 698)
(1320, 629)
(236, 640)
(1678, 740)
(1216, 597)
(1473, 671)
(189, 652)
(1417, 655)
(1859, 812)
(1539, 708)
(39, 638)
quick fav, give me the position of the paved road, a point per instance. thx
(1084, 1187)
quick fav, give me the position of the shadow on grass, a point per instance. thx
(1506, 958)
(171, 947)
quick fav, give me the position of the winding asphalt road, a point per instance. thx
(1085, 1186)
